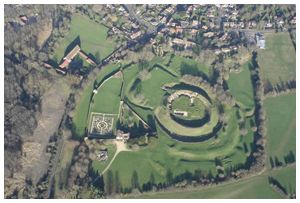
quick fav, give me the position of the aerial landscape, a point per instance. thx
(150, 101)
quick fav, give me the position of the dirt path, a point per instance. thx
(121, 147)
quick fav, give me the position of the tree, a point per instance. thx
(152, 180)
(42, 56)
(135, 180)
(97, 56)
(117, 182)
(199, 37)
(142, 64)
(169, 177)
(109, 184)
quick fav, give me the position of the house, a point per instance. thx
(226, 24)
(204, 27)
(136, 35)
(260, 40)
(195, 23)
(217, 51)
(122, 136)
(116, 30)
(209, 34)
(178, 41)
(184, 24)
(225, 50)
(252, 24)
(87, 58)
(293, 21)
(64, 64)
(268, 25)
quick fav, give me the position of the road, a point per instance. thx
(131, 10)
(121, 147)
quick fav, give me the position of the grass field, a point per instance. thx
(240, 86)
(82, 107)
(165, 153)
(107, 100)
(250, 188)
(178, 60)
(281, 125)
(164, 117)
(151, 88)
(278, 60)
(195, 110)
(93, 37)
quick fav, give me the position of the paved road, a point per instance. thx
(132, 12)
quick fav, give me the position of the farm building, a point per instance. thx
(69, 57)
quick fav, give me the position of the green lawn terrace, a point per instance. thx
(90, 36)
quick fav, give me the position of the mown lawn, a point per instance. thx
(281, 125)
(82, 106)
(278, 60)
(92, 35)
(195, 110)
(107, 100)
(178, 60)
(165, 153)
(164, 117)
(151, 88)
(240, 86)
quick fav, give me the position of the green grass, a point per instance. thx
(286, 177)
(278, 60)
(82, 107)
(165, 153)
(240, 86)
(164, 117)
(250, 188)
(107, 100)
(93, 37)
(281, 125)
(195, 110)
(178, 60)
(151, 88)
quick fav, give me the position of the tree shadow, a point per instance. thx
(75, 42)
